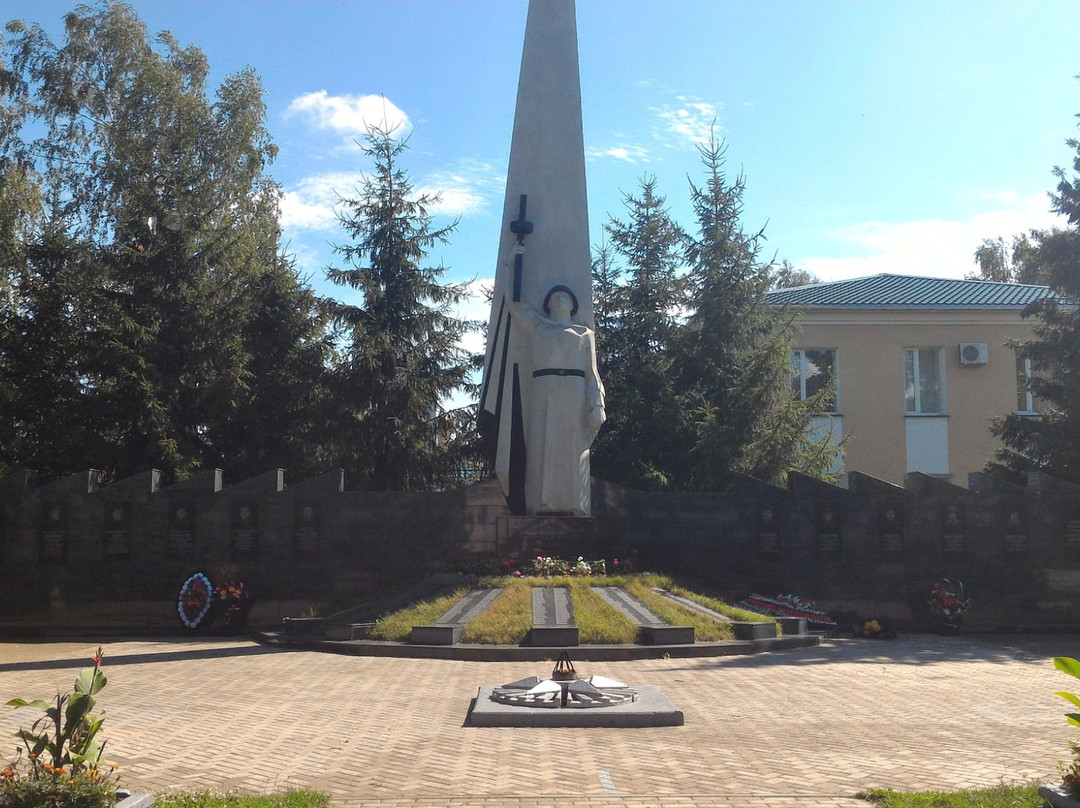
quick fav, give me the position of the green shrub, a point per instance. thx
(86, 789)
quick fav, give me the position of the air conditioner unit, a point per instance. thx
(974, 353)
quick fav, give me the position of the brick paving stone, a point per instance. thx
(807, 728)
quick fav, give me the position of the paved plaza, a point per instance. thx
(807, 727)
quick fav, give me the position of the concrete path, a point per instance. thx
(807, 728)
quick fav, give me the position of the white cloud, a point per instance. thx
(934, 248)
(351, 115)
(689, 121)
(455, 201)
(626, 152)
(465, 189)
(312, 203)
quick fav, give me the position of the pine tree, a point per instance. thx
(1051, 441)
(401, 355)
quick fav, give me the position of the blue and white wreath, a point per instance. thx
(196, 598)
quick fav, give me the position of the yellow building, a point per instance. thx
(919, 365)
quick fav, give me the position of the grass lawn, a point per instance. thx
(508, 620)
(288, 799)
(1012, 795)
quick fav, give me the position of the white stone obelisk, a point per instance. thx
(541, 400)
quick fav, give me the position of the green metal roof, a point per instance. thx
(909, 291)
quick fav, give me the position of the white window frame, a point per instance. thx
(917, 373)
(1023, 374)
(798, 374)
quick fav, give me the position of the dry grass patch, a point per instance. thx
(734, 612)
(597, 621)
(396, 627)
(507, 620)
(706, 629)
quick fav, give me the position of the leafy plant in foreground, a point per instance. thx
(64, 751)
(68, 730)
(1071, 777)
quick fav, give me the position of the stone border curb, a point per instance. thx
(515, 653)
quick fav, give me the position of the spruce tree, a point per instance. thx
(734, 365)
(638, 310)
(400, 356)
(695, 361)
(1050, 442)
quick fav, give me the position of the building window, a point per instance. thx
(814, 370)
(1027, 403)
(924, 381)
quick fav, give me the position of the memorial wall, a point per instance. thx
(1016, 548)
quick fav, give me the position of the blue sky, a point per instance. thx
(874, 136)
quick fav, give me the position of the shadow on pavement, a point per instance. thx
(111, 661)
(912, 649)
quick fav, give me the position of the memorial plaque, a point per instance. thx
(53, 532)
(891, 532)
(556, 536)
(245, 528)
(1016, 535)
(768, 533)
(306, 534)
(181, 537)
(827, 528)
(117, 532)
(953, 531)
(1072, 533)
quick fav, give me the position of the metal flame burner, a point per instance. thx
(583, 693)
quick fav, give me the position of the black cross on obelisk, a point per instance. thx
(520, 228)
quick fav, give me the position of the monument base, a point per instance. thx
(651, 709)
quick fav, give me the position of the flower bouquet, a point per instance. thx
(948, 603)
(232, 601)
(788, 606)
(876, 628)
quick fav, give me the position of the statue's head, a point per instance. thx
(560, 298)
